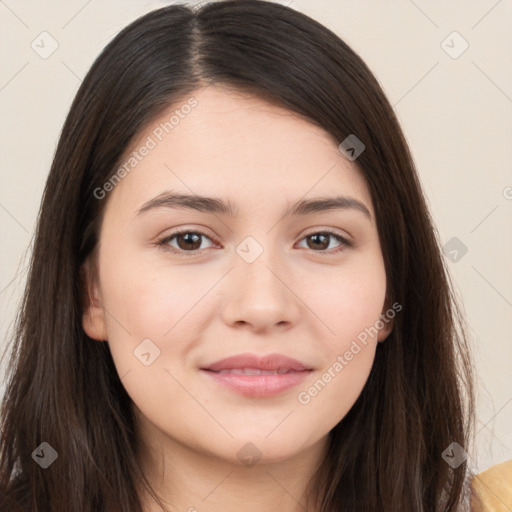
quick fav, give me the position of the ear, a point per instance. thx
(93, 316)
(387, 320)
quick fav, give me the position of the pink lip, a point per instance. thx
(269, 362)
(259, 385)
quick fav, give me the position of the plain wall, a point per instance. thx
(455, 110)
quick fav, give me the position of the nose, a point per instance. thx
(260, 296)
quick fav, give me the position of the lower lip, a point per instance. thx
(259, 386)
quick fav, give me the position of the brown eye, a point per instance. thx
(186, 241)
(321, 240)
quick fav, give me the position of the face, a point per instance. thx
(256, 272)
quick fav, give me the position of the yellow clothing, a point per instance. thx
(494, 488)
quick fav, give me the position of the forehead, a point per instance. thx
(226, 143)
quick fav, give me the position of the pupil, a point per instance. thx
(190, 238)
(316, 239)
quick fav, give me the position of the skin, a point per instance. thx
(303, 300)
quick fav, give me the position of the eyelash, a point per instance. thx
(164, 242)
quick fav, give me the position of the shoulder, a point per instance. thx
(493, 488)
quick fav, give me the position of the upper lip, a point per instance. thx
(269, 362)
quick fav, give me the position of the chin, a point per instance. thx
(250, 451)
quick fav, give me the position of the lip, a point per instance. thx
(258, 385)
(269, 362)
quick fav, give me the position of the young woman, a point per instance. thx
(237, 298)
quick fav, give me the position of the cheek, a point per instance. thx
(348, 304)
(351, 312)
(151, 322)
(167, 306)
(350, 307)
(328, 397)
(153, 301)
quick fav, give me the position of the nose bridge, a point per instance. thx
(256, 264)
(258, 294)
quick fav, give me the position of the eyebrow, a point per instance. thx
(218, 206)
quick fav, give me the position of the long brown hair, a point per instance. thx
(63, 388)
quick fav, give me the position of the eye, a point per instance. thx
(319, 241)
(188, 241)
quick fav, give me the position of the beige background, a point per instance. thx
(456, 114)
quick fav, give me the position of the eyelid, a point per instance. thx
(332, 231)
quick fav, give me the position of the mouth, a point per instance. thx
(258, 377)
